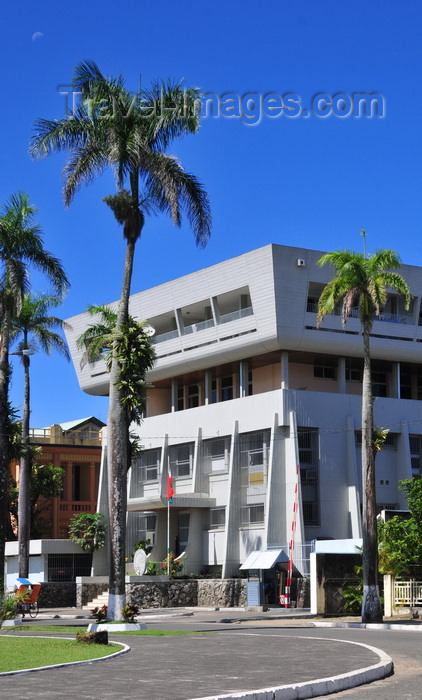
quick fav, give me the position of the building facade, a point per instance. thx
(75, 446)
(257, 412)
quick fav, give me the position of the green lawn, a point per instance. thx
(31, 652)
(66, 629)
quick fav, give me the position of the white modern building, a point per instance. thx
(258, 412)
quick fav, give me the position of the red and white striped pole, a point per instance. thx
(289, 577)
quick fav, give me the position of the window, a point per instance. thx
(253, 514)
(250, 384)
(389, 442)
(217, 518)
(254, 450)
(66, 567)
(81, 482)
(324, 370)
(353, 375)
(141, 527)
(183, 532)
(415, 446)
(180, 398)
(148, 466)
(379, 384)
(216, 455)
(405, 386)
(227, 388)
(214, 391)
(193, 396)
(309, 474)
(181, 459)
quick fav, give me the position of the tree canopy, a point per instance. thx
(400, 538)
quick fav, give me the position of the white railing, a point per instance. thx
(407, 593)
(162, 337)
(406, 318)
(200, 326)
(43, 433)
(234, 315)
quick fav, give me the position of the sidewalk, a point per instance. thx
(248, 658)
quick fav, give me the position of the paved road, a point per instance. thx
(243, 654)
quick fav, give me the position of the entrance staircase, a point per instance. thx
(98, 602)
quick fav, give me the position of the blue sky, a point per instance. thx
(305, 181)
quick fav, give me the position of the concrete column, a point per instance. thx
(243, 378)
(173, 395)
(395, 389)
(284, 369)
(208, 387)
(342, 374)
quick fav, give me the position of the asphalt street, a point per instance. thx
(236, 652)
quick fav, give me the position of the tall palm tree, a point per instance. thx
(130, 134)
(363, 282)
(136, 355)
(21, 247)
(37, 329)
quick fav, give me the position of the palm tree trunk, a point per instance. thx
(371, 605)
(4, 441)
(24, 499)
(117, 460)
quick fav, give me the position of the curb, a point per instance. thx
(371, 626)
(320, 686)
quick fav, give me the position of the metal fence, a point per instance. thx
(66, 567)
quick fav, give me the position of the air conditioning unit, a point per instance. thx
(300, 262)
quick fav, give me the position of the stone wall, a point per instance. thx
(157, 592)
(164, 594)
(188, 593)
(227, 593)
(57, 594)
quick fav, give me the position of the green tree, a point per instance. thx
(136, 356)
(88, 530)
(400, 538)
(131, 134)
(21, 247)
(361, 282)
(36, 328)
(46, 482)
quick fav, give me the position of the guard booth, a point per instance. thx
(266, 576)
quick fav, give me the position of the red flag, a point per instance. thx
(170, 492)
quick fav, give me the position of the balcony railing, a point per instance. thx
(235, 315)
(404, 317)
(200, 326)
(162, 337)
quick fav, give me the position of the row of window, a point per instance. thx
(222, 389)
(180, 460)
(328, 370)
(394, 310)
(203, 314)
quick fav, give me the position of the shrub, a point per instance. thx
(129, 612)
(100, 613)
(100, 637)
(171, 565)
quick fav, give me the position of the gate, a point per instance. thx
(335, 600)
(407, 593)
